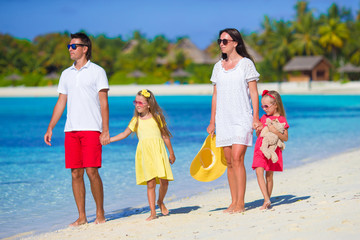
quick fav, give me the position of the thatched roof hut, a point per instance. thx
(308, 68)
(349, 68)
(180, 73)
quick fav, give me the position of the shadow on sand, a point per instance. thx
(275, 201)
(126, 212)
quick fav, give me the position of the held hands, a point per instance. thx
(104, 138)
(257, 126)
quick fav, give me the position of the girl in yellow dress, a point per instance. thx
(152, 164)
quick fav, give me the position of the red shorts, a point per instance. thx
(82, 149)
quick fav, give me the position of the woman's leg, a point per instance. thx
(151, 185)
(263, 187)
(238, 155)
(231, 178)
(164, 183)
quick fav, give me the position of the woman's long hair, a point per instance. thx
(240, 48)
(156, 112)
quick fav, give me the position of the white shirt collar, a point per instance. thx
(85, 66)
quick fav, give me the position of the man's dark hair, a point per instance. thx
(85, 40)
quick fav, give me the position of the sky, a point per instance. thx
(200, 20)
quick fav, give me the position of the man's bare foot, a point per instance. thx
(78, 222)
(266, 205)
(100, 220)
(100, 217)
(163, 209)
(152, 217)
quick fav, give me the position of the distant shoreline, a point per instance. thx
(322, 88)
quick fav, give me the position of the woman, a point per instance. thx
(235, 87)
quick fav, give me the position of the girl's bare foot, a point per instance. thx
(152, 217)
(266, 205)
(78, 222)
(163, 209)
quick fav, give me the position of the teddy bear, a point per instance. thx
(270, 140)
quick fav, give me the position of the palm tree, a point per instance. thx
(280, 44)
(333, 35)
(301, 8)
(352, 48)
(306, 38)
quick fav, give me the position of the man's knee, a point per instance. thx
(92, 173)
(77, 173)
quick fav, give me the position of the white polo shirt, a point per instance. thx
(82, 89)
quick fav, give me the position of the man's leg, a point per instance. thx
(78, 187)
(97, 192)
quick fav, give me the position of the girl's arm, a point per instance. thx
(258, 129)
(255, 103)
(211, 128)
(169, 147)
(283, 136)
(121, 136)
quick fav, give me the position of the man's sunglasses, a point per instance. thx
(225, 41)
(74, 45)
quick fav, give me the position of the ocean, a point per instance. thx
(36, 194)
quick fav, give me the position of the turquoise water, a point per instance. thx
(35, 187)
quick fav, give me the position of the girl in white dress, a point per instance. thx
(234, 79)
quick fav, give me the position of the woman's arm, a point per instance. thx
(211, 128)
(255, 103)
(169, 147)
(121, 136)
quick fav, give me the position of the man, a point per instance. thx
(84, 88)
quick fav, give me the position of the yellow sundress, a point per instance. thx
(151, 159)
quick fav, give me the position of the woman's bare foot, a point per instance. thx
(230, 209)
(238, 209)
(163, 209)
(152, 217)
(266, 205)
(78, 222)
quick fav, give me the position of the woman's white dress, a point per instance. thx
(233, 119)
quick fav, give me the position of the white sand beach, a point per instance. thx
(318, 200)
(321, 87)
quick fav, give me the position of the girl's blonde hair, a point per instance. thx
(275, 98)
(156, 112)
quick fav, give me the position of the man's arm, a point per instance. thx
(104, 107)
(57, 112)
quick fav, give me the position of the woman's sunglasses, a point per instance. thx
(141, 104)
(225, 41)
(74, 45)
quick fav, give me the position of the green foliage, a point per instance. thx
(334, 34)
